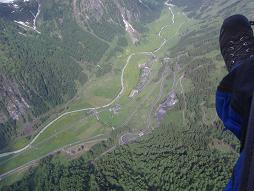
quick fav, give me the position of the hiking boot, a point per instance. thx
(236, 40)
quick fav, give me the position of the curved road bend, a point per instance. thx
(92, 108)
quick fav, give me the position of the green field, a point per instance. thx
(101, 90)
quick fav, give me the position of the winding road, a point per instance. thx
(94, 108)
(75, 111)
(34, 162)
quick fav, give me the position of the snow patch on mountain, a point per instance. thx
(11, 1)
(26, 25)
(130, 29)
(6, 1)
(128, 26)
(23, 12)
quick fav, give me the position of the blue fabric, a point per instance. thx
(236, 66)
(234, 182)
(232, 121)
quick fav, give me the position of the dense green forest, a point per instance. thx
(28, 67)
(156, 163)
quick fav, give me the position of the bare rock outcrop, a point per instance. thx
(12, 100)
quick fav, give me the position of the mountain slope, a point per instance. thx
(29, 65)
(50, 48)
(19, 10)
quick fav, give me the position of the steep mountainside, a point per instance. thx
(49, 48)
(104, 19)
(189, 151)
(19, 10)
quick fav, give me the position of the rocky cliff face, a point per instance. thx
(108, 15)
(98, 10)
(13, 107)
(15, 104)
(116, 14)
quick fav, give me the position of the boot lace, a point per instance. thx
(239, 49)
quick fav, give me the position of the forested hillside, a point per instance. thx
(43, 66)
(189, 151)
(36, 76)
(166, 160)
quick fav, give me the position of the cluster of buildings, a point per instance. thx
(167, 104)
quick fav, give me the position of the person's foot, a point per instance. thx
(236, 40)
